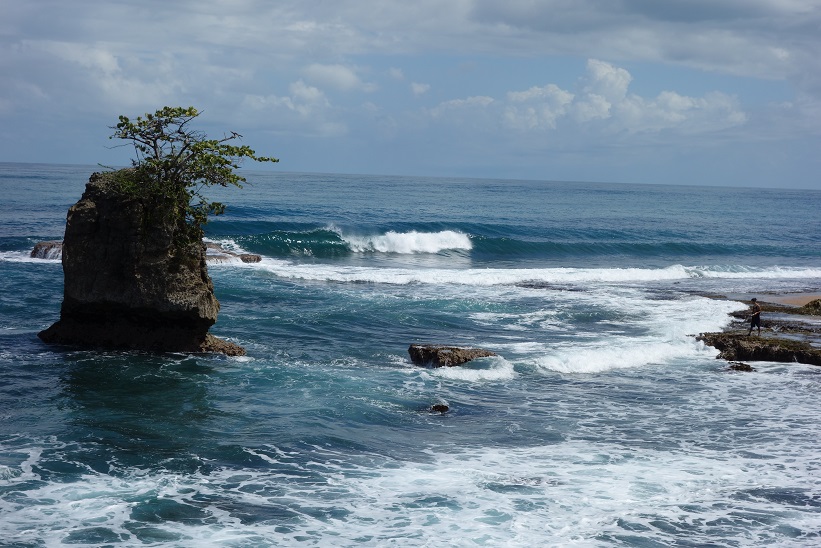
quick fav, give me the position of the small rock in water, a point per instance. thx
(739, 366)
(439, 408)
(218, 254)
(439, 356)
(47, 250)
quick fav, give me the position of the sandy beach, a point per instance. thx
(795, 299)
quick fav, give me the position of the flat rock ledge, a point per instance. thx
(445, 356)
(740, 347)
(812, 308)
(215, 253)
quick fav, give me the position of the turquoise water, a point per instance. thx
(601, 423)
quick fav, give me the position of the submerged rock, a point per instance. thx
(47, 250)
(131, 280)
(741, 366)
(739, 346)
(445, 356)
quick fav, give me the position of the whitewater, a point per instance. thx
(601, 422)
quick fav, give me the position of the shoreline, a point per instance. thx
(789, 299)
(791, 334)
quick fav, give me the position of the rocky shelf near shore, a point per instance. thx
(445, 356)
(790, 334)
(740, 347)
(214, 253)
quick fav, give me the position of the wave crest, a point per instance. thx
(409, 242)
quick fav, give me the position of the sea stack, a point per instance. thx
(132, 278)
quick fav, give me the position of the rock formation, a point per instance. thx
(789, 334)
(740, 366)
(215, 253)
(812, 308)
(447, 356)
(131, 280)
(738, 346)
(47, 250)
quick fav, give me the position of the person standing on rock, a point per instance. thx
(755, 318)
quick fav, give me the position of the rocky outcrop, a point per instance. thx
(215, 253)
(47, 250)
(812, 308)
(445, 356)
(132, 280)
(740, 347)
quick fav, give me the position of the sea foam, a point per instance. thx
(409, 242)
(513, 276)
(566, 493)
(494, 368)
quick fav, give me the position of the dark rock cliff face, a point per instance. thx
(129, 282)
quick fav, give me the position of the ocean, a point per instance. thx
(601, 422)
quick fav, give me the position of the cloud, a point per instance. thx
(604, 103)
(537, 108)
(419, 89)
(759, 38)
(103, 74)
(607, 81)
(678, 73)
(338, 77)
(461, 105)
(305, 111)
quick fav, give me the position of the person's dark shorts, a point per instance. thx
(755, 321)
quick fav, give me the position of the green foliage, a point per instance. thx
(174, 163)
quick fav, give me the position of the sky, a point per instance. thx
(696, 92)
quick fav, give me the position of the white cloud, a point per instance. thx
(603, 99)
(607, 81)
(461, 105)
(537, 108)
(93, 57)
(419, 89)
(337, 77)
(305, 111)
(122, 81)
(302, 67)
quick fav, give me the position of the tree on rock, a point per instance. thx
(135, 274)
(174, 163)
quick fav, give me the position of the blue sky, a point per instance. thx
(706, 92)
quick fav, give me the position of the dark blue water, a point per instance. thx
(601, 423)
